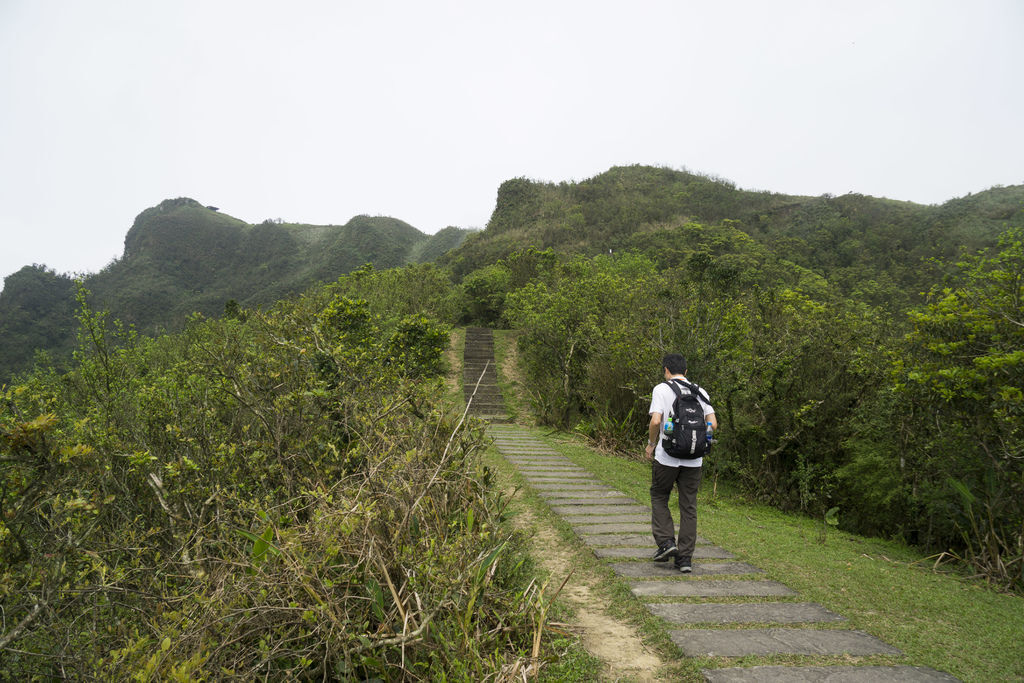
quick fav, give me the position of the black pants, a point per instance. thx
(687, 480)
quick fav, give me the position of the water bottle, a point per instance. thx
(709, 434)
(668, 426)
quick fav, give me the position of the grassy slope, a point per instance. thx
(939, 619)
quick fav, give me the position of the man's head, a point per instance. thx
(674, 363)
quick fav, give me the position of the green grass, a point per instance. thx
(938, 619)
(511, 392)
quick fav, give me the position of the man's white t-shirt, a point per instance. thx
(662, 399)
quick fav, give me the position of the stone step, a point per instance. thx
(743, 613)
(778, 641)
(581, 519)
(827, 674)
(627, 540)
(620, 528)
(566, 477)
(593, 500)
(667, 570)
(709, 552)
(600, 509)
(588, 493)
(717, 588)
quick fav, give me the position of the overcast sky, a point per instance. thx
(318, 110)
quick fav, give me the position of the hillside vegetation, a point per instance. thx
(864, 354)
(279, 495)
(181, 257)
(243, 479)
(871, 248)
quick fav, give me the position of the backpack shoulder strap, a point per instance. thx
(675, 387)
(694, 389)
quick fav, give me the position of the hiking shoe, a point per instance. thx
(684, 566)
(664, 552)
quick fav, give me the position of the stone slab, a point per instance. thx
(778, 641)
(743, 613)
(579, 519)
(570, 486)
(586, 493)
(705, 552)
(505, 440)
(533, 481)
(627, 540)
(528, 453)
(557, 469)
(827, 674)
(667, 570)
(563, 501)
(600, 509)
(610, 496)
(527, 450)
(710, 589)
(558, 476)
(533, 463)
(619, 540)
(634, 528)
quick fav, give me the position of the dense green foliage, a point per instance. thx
(867, 247)
(863, 355)
(275, 495)
(823, 402)
(842, 384)
(36, 306)
(181, 257)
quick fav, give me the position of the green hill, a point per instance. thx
(850, 240)
(181, 257)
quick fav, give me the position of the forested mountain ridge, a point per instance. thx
(849, 239)
(182, 257)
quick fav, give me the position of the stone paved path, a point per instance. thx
(480, 378)
(618, 529)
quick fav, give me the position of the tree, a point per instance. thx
(964, 384)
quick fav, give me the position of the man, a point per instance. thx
(668, 471)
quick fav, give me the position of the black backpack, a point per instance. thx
(689, 437)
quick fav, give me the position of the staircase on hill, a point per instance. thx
(484, 398)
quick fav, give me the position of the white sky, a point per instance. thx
(317, 110)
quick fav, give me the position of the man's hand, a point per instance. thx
(653, 434)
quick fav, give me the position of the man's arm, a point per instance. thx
(710, 417)
(653, 432)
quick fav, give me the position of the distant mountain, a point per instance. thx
(181, 257)
(854, 241)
